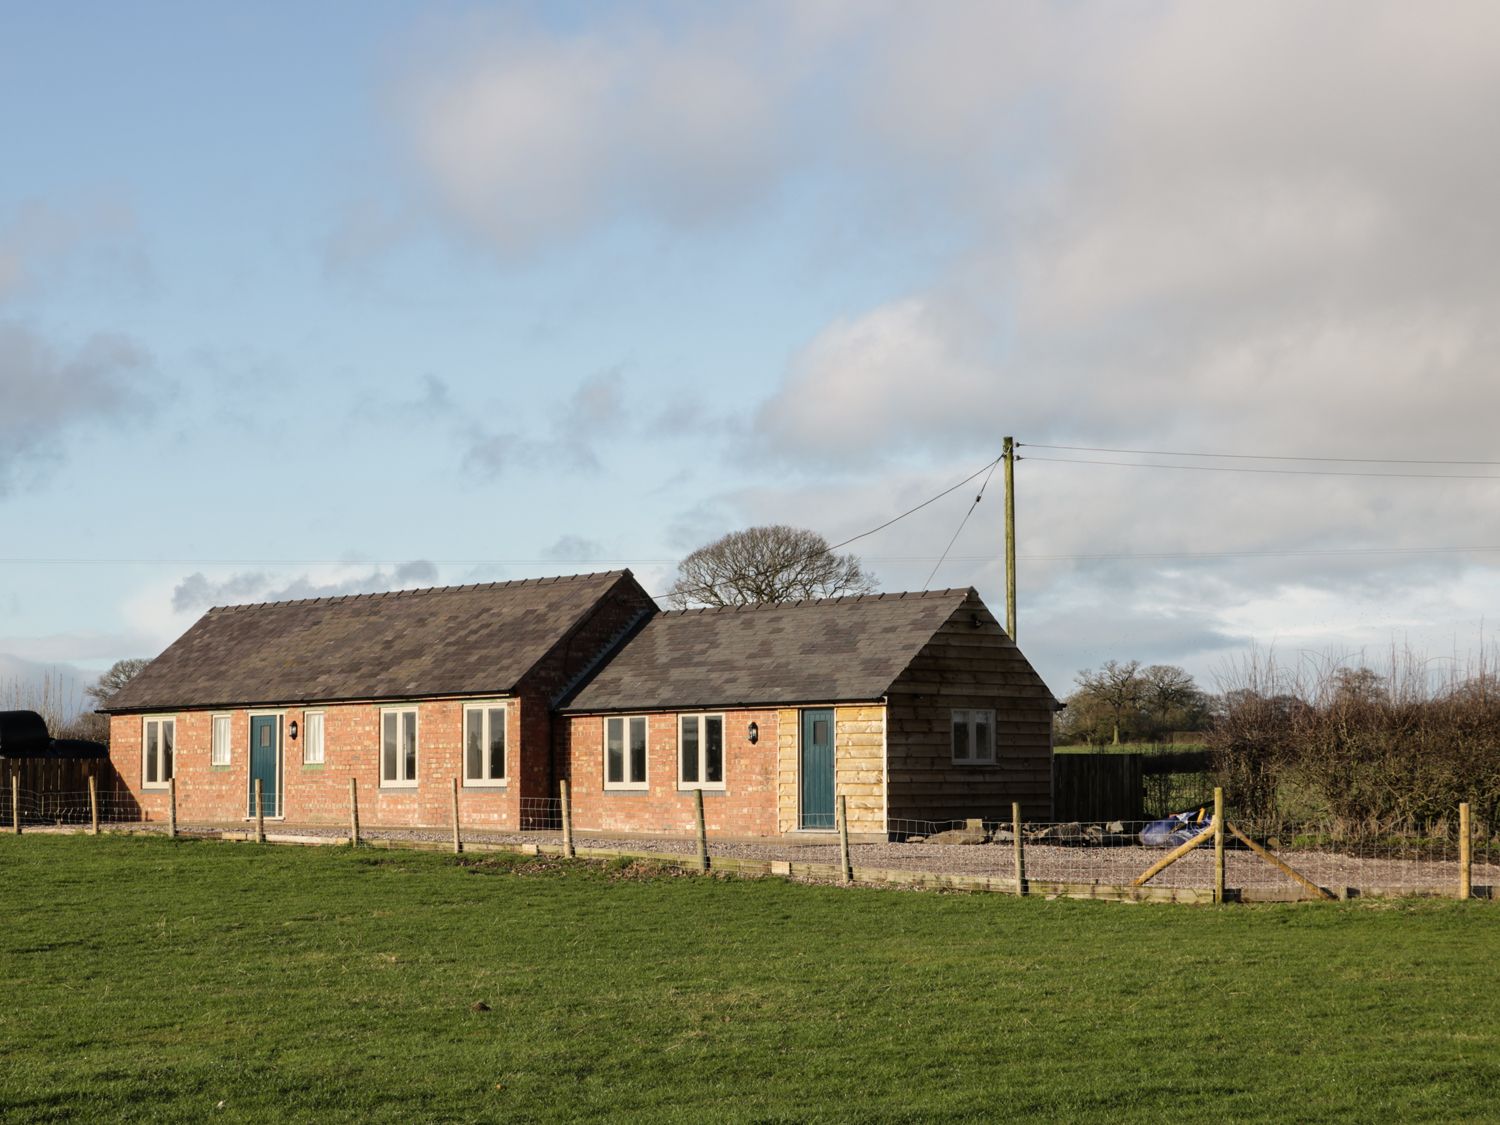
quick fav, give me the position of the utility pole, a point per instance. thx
(1010, 537)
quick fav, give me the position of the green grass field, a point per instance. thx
(149, 979)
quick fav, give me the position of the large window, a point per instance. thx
(973, 737)
(625, 752)
(158, 738)
(219, 754)
(312, 738)
(484, 744)
(700, 752)
(398, 748)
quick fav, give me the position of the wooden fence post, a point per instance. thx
(1218, 844)
(260, 814)
(458, 844)
(702, 832)
(172, 805)
(1465, 852)
(567, 819)
(15, 802)
(93, 805)
(1018, 846)
(353, 813)
(845, 870)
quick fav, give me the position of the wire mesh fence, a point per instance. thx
(541, 814)
(1261, 859)
(40, 809)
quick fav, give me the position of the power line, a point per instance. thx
(1253, 456)
(866, 534)
(1310, 552)
(990, 467)
(961, 524)
(1277, 472)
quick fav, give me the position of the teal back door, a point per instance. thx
(265, 760)
(817, 769)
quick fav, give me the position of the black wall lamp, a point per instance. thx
(754, 733)
(292, 730)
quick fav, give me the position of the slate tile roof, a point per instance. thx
(450, 640)
(826, 651)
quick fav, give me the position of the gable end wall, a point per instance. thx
(968, 667)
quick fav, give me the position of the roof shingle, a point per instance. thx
(827, 651)
(450, 640)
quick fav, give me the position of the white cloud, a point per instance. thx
(45, 395)
(574, 549)
(95, 241)
(879, 382)
(198, 592)
(527, 135)
(1261, 228)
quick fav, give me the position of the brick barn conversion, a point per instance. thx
(915, 707)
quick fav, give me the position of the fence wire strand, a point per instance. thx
(1346, 861)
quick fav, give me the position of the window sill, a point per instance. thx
(225, 768)
(969, 763)
(398, 787)
(706, 790)
(476, 784)
(627, 789)
(314, 765)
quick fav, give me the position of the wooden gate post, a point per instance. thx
(172, 805)
(1465, 852)
(567, 819)
(702, 832)
(1218, 844)
(846, 872)
(353, 813)
(15, 802)
(458, 844)
(260, 814)
(93, 805)
(1018, 847)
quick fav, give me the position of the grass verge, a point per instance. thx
(176, 980)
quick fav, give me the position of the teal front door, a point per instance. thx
(816, 769)
(265, 762)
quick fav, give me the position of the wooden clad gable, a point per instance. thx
(969, 663)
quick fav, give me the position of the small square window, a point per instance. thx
(219, 755)
(973, 737)
(700, 752)
(625, 752)
(484, 744)
(312, 738)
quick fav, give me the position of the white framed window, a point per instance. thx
(312, 738)
(700, 752)
(158, 742)
(484, 744)
(218, 754)
(398, 747)
(973, 737)
(625, 752)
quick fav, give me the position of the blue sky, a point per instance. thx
(317, 299)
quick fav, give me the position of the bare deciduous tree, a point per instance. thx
(768, 564)
(120, 673)
(1116, 686)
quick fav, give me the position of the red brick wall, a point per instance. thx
(319, 795)
(745, 807)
